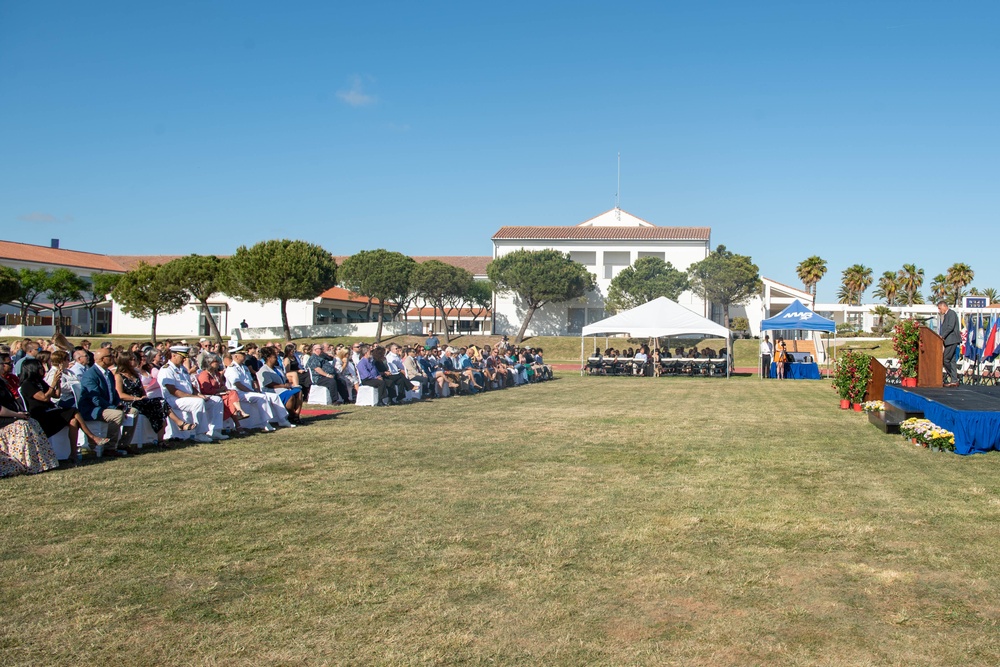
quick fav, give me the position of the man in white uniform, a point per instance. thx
(179, 392)
(240, 379)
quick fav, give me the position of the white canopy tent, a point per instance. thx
(659, 318)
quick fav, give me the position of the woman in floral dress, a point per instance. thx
(24, 449)
(128, 382)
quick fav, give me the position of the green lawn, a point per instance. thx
(605, 521)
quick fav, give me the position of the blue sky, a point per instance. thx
(862, 132)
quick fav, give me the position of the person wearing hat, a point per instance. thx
(180, 394)
(256, 404)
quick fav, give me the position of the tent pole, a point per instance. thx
(581, 355)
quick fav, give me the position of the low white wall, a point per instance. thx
(361, 330)
(19, 331)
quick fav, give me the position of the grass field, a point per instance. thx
(582, 521)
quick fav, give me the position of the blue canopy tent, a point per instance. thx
(797, 317)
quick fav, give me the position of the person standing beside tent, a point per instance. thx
(781, 360)
(766, 351)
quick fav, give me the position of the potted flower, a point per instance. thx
(906, 343)
(873, 406)
(851, 378)
(939, 439)
(861, 374)
(913, 429)
(842, 381)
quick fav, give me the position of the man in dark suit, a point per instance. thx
(952, 336)
(99, 399)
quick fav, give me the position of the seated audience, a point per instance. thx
(273, 382)
(212, 382)
(38, 395)
(262, 407)
(24, 448)
(370, 375)
(181, 395)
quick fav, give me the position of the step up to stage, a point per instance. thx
(895, 414)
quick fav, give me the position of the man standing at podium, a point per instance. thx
(951, 335)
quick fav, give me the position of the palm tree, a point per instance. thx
(939, 287)
(854, 281)
(911, 279)
(888, 288)
(990, 294)
(881, 312)
(811, 270)
(959, 275)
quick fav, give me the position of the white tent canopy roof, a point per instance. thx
(655, 319)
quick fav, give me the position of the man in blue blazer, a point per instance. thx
(952, 336)
(99, 399)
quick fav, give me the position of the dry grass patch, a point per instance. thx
(588, 520)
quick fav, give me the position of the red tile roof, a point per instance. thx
(341, 294)
(26, 252)
(605, 233)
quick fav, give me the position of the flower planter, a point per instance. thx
(857, 407)
(845, 404)
(913, 441)
(909, 382)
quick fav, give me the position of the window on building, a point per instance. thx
(659, 255)
(218, 312)
(576, 318)
(595, 315)
(614, 262)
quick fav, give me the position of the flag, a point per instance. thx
(990, 344)
(981, 335)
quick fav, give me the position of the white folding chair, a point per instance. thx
(367, 396)
(319, 395)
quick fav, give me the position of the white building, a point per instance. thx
(48, 258)
(605, 244)
(334, 312)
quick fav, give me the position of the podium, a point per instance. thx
(875, 391)
(930, 359)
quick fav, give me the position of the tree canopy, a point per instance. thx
(145, 293)
(63, 286)
(201, 277)
(378, 275)
(31, 284)
(647, 279)
(539, 277)
(810, 271)
(438, 282)
(855, 280)
(98, 289)
(726, 279)
(10, 286)
(280, 270)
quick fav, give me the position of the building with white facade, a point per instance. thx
(334, 312)
(48, 258)
(605, 244)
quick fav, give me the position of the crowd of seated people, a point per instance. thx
(656, 362)
(47, 386)
(399, 373)
(209, 391)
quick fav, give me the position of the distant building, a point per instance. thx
(605, 244)
(335, 306)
